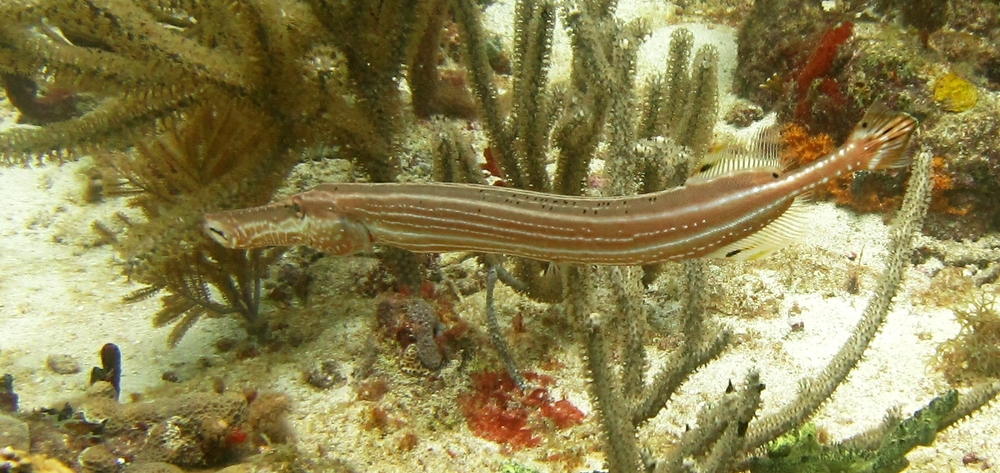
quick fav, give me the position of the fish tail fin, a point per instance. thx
(886, 134)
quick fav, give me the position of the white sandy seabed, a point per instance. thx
(61, 295)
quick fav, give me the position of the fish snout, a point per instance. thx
(218, 231)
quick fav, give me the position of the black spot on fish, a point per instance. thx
(774, 175)
(733, 253)
(706, 167)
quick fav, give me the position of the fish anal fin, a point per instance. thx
(789, 227)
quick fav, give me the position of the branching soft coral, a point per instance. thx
(208, 105)
(326, 72)
(213, 158)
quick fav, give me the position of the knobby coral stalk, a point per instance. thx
(815, 391)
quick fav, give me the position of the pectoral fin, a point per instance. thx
(789, 227)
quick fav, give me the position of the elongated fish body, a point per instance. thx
(743, 207)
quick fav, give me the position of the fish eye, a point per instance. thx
(864, 124)
(297, 208)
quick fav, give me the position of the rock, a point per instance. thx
(152, 467)
(14, 433)
(238, 468)
(15, 461)
(325, 375)
(97, 459)
(63, 364)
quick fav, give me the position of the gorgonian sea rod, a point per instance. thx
(741, 206)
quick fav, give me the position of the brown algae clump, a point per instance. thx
(974, 353)
(954, 93)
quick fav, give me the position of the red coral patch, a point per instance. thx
(497, 410)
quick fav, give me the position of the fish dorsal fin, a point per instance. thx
(758, 152)
(790, 226)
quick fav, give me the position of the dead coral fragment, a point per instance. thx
(194, 430)
(324, 375)
(198, 429)
(974, 353)
(954, 93)
(266, 423)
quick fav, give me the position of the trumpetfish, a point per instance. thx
(741, 206)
